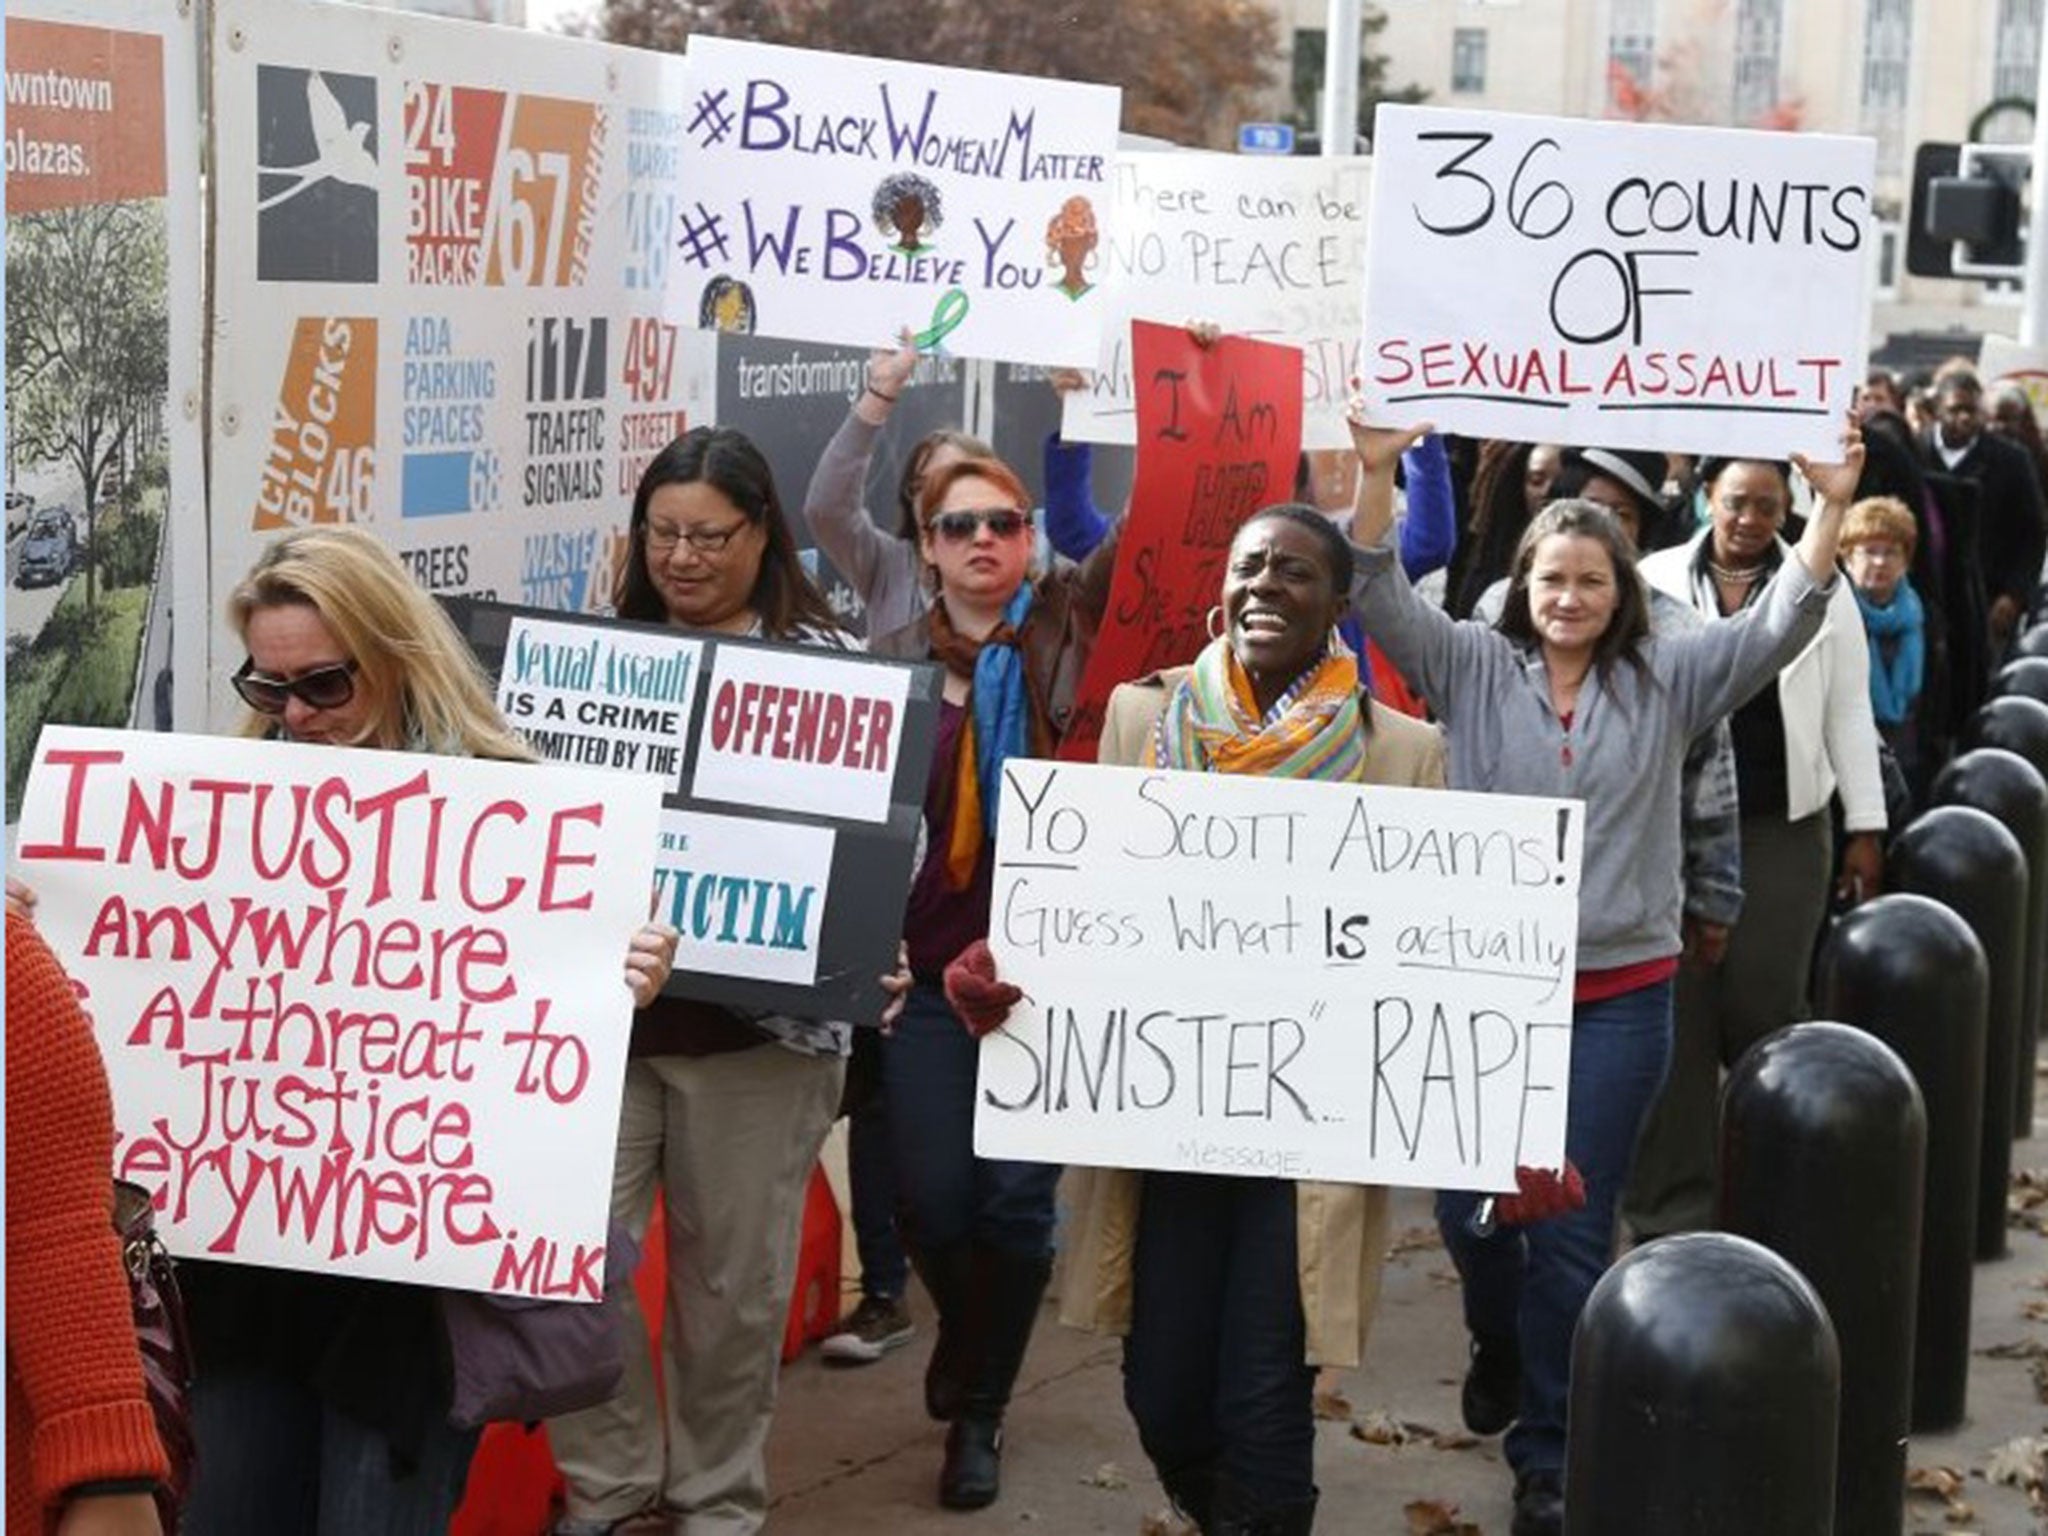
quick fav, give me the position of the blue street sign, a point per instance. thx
(1265, 139)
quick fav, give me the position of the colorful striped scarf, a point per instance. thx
(1314, 731)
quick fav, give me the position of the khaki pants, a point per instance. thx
(732, 1139)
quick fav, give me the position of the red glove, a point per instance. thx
(981, 999)
(1540, 1193)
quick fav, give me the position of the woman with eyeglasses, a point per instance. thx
(725, 1110)
(321, 1403)
(979, 1230)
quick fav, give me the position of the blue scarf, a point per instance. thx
(1002, 705)
(1895, 684)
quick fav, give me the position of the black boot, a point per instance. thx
(1492, 1396)
(1008, 1288)
(948, 1275)
(1238, 1515)
(1193, 1492)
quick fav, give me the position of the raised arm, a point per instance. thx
(833, 507)
(1834, 488)
(1429, 533)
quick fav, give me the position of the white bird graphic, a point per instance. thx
(340, 151)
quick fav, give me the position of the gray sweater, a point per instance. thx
(1627, 742)
(883, 567)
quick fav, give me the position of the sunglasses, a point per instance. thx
(327, 687)
(961, 527)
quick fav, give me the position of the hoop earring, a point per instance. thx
(1216, 625)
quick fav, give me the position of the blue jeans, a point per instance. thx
(949, 1195)
(273, 1458)
(871, 1170)
(1530, 1283)
(1214, 1371)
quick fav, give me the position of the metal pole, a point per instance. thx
(2034, 311)
(1343, 19)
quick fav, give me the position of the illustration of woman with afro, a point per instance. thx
(1069, 242)
(908, 207)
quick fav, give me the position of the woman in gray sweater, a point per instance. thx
(1570, 696)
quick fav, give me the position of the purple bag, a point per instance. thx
(522, 1358)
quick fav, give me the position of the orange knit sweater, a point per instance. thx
(76, 1411)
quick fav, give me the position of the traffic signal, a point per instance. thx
(1965, 218)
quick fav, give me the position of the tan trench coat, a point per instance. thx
(1341, 1229)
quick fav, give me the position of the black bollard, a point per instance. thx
(1809, 1112)
(1910, 971)
(2015, 723)
(1705, 1387)
(1962, 857)
(2034, 642)
(2010, 788)
(2026, 677)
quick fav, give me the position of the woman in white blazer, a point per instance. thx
(1797, 746)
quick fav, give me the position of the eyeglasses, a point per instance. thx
(327, 687)
(703, 541)
(961, 527)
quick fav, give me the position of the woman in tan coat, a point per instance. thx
(1231, 1291)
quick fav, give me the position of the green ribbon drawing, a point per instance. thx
(946, 319)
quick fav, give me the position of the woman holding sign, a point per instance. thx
(1206, 1274)
(1569, 696)
(1014, 650)
(726, 1111)
(321, 1403)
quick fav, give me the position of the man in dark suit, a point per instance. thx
(2012, 530)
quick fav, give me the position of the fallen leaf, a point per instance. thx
(2035, 1311)
(1941, 1482)
(2019, 1463)
(1164, 1522)
(1436, 1517)
(1333, 1405)
(2018, 1349)
(1415, 1240)
(1109, 1475)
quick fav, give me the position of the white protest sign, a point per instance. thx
(1273, 249)
(844, 199)
(1618, 284)
(801, 731)
(748, 897)
(608, 698)
(1276, 977)
(362, 1012)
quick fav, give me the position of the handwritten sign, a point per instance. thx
(362, 1012)
(1645, 286)
(1267, 248)
(839, 198)
(1219, 433)
(2002, 360)
(1283, 978)
(794, 781)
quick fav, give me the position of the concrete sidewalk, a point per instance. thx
(853, 1455)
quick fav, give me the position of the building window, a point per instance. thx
(1888, 249)
(1887, 49)
(1311, 45)
(1632, 42)
(1758, 26)
(2016, 59)
(1468, 59)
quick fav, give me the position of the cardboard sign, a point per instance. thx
(1266, 248)
(838, 198)
(1637, 286)
(794, 781)
(362, 1012)
(1219, 433)
(1280, 978)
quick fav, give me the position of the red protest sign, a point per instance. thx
(1219, 431)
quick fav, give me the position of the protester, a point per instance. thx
(1570, 696)
(1620, 480)
(1879, 391)
(1878, 539)
(2012, 528)
(321, 1401)
(83, 1454)
(726, 1110)
(980, 1229)
(1797, 745)
(1205, 1274)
